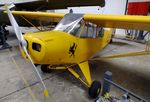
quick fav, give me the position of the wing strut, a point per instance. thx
(141, 53)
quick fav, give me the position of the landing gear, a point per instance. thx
(95, 89)
(45, 69)
(111, 41)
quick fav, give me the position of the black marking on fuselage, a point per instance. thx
(72, 49)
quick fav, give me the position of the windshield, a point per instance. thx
(69, 22)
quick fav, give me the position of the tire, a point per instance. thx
(36, 65)
(111, 41)
(95, 89)
(45, 69)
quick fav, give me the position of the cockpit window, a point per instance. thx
(90, 30)
(69, 22)
(100, 32)
(74, 24)
(78, 29)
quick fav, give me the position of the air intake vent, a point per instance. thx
(36, 47)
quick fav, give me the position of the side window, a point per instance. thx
(100, 32)
(94, 31)
(89, 31)
(84, 33)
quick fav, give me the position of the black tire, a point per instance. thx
(95, 89)
(45, 69)
(111, 41)
(36, 65)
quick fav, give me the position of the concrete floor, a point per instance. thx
(132, 73)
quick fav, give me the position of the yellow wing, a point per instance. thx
(108, 21)
(117, 21)
(41, 16)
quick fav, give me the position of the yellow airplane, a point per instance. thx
(74, 41)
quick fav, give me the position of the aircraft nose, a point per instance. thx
(44, 46)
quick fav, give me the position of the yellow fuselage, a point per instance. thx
(63, 48)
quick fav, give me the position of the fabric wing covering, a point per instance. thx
(41, 16)
(107, 21)
(117, 21)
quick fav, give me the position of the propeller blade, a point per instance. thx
(16, 27)
(23, 45)
(45, 89)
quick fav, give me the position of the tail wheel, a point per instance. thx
(45, 69)
(95, 89)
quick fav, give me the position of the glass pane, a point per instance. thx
(69, 23)
(100, 32)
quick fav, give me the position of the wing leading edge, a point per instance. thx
(108, 21)
(117, 21)
(41, 16)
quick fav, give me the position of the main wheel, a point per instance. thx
(111, 40)
(45, 69)
(95, 89)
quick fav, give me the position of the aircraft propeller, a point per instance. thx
(23, 45)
